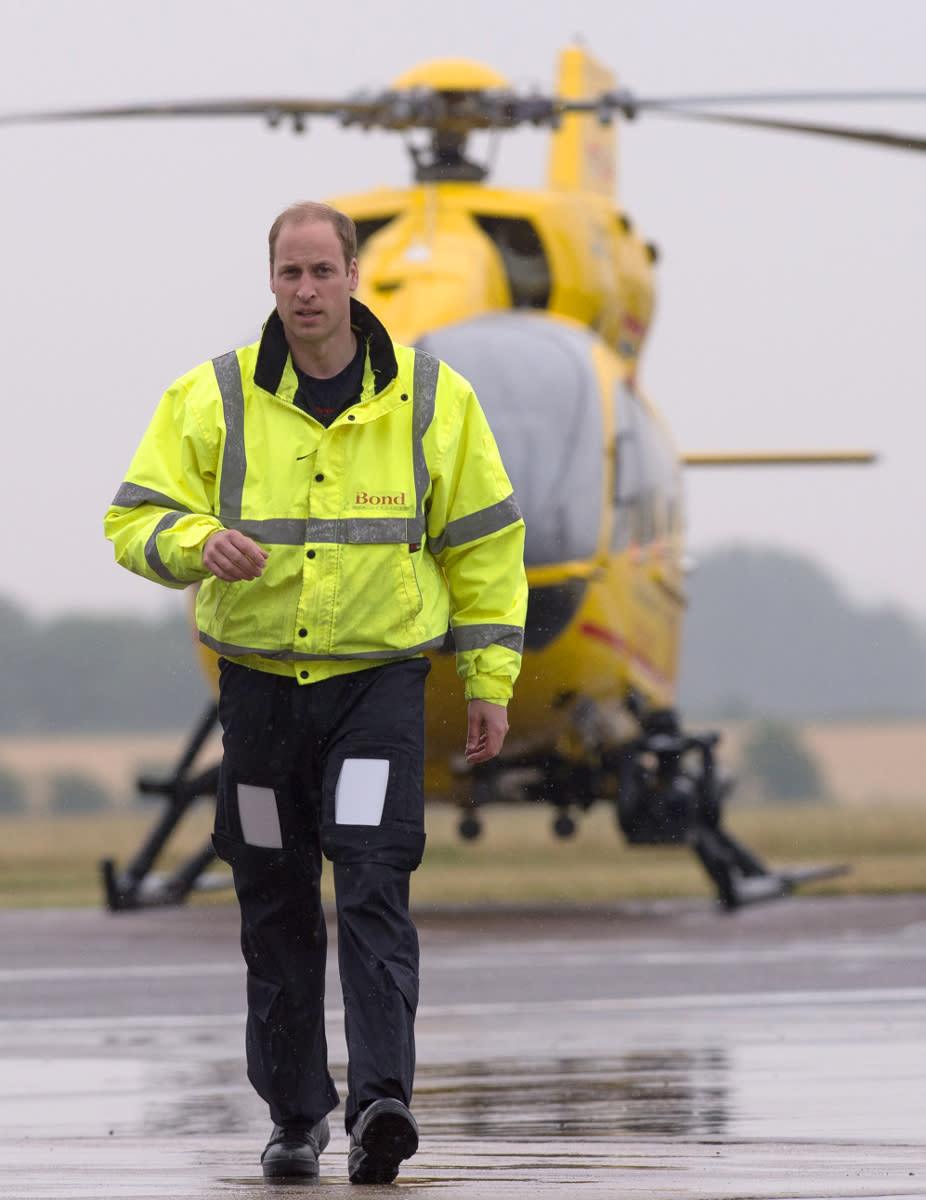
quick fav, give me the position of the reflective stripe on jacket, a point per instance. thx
(383, 529)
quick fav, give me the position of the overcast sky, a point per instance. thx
(790, 310)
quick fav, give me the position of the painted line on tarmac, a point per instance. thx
(676, 1003)
(566, 955)
(145, 971)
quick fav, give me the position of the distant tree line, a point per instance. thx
(97, 673)
(776, 759)
(68, 792)
(768, 634)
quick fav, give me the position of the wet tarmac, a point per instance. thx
(648, 1050)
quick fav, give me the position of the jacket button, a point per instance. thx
(319, 478)
(310, 553)
(303, 633)
(303, 674)
(351, 417)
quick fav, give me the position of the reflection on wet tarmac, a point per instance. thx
(641, 1094)
(638, 1095)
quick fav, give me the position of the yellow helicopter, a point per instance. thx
(542, 298)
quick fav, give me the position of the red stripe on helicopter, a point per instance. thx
(616, 642)
(604, 635)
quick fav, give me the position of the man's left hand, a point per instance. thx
(488, 724)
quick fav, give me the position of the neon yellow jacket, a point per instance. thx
(383, 530)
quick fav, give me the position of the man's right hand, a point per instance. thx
(231, 556)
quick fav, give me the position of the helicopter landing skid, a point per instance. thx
(671, 791)
(667, 791)
(139, 886)
(741, 878)
(125, 891)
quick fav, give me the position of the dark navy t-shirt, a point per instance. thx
(325, 399)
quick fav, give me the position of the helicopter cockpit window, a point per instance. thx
(526, 265)
(645, 492)
(366, 228)
(629, 483)
(538, 388)
(670, 487)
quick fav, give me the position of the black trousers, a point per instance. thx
(335, 769)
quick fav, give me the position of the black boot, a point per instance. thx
(293, 1150)
(383, 1134)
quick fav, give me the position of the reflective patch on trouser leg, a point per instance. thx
(360, 792)
(260, 819)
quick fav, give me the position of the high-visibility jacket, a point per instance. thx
(382, 530)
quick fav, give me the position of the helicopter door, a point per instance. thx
(646, 490)
(646, 532)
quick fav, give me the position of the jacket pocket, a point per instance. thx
(410, 582)
(379, 600)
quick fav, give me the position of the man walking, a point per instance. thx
(342, 502)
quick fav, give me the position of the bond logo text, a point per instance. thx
(366, 498)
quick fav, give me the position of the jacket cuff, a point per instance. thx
(188, 543)
(496, 688)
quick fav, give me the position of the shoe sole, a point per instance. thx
(277, 1172)
(388, 1138)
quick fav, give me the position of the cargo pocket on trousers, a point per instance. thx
(373, 811)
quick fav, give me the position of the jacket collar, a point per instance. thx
(274, 349)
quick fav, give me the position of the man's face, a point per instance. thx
(311, 284)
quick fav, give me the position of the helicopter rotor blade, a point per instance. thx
(424, 108)
(877, 137)
(689, 108)
(396, 111)
(364, 110)
(778, 458)
(856, 96)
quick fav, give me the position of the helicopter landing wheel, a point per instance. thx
(564, 826)
(470, 828)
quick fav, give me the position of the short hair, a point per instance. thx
(311, 210)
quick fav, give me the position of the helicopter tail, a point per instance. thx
(583, 152)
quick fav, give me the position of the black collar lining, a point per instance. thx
(274, 349)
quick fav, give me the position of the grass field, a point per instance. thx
(50, 861)
(863, 764)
